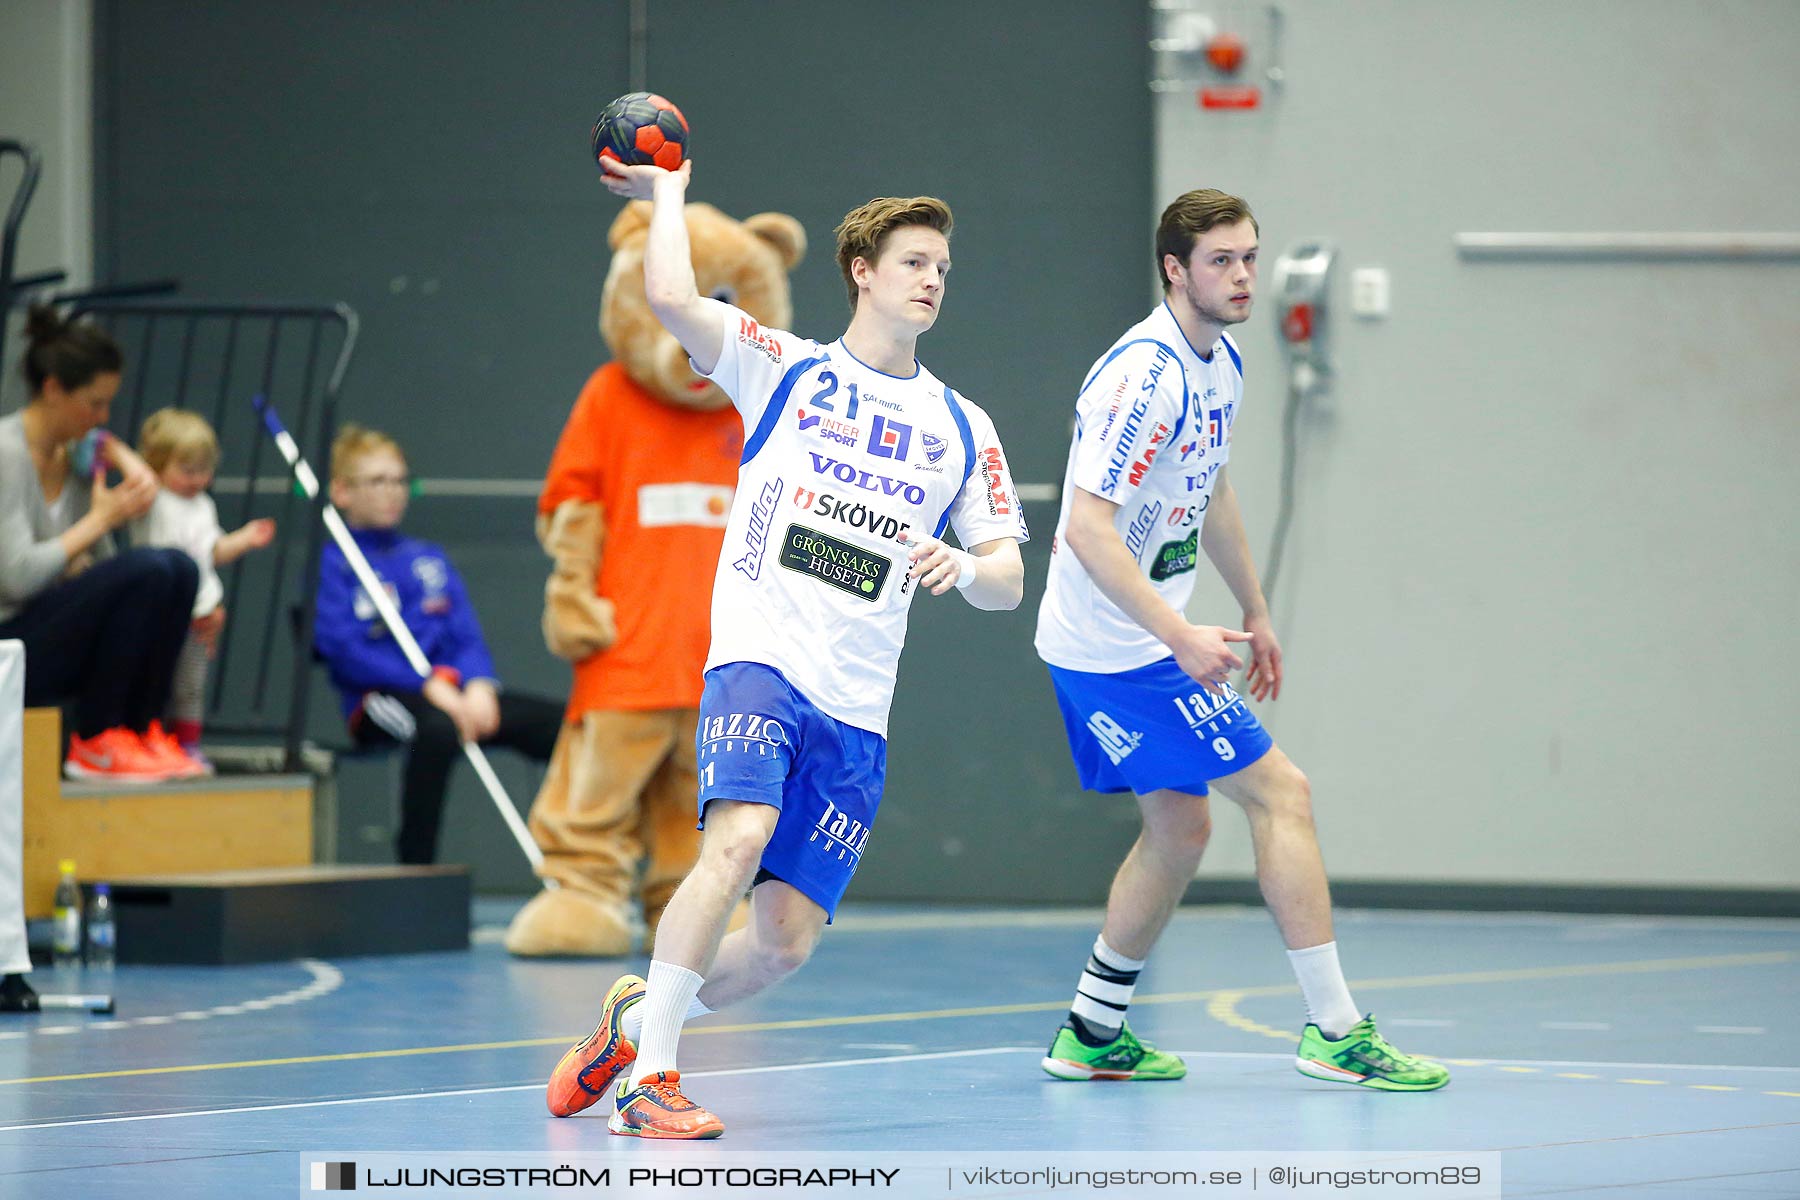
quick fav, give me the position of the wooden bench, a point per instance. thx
(114, 831)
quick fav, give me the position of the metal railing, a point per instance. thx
(213, 358)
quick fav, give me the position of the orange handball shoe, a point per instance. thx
(590, 1066)
(115, 756)
(655, 1108)
(161, 743)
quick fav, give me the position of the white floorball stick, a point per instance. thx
(390, 616)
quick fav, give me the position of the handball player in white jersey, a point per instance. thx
(1144, 692)
(856, 461)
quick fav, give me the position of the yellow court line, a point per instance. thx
(1223, 1006)
(563, 1040)
(1212, 998)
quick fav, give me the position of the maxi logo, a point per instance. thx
(889, 439)
(756, 532)
(1176, 558)
(866, 481)
(1141, 525)
(756, 338)
(993, 475)
(1128, 431)
(862, 573)
(1139, 469)
(841, 432)
(840, 832)
(857, 515)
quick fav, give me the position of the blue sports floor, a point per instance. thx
(1603, 1057)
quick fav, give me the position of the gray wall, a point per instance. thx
(1539, 606)
(427, 163)
(1538, 602)
(46, 87)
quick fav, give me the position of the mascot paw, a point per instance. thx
(562, 922)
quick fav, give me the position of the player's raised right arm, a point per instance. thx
(697, 321)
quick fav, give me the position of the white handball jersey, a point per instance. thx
(839, 460)
(1152, 429)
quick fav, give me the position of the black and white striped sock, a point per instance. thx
(1103, 994)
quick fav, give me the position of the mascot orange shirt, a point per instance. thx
(665, 527)
(633, 515)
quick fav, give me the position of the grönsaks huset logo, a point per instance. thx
(1176, 558)
(334, 1177)
(845, 567)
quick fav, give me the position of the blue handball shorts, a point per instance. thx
(1153, 727)
(761, 741)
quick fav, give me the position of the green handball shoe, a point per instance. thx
(1122, 1058)
(1365, 1058)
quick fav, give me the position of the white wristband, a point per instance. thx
(965, 567)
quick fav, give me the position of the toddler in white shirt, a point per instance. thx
(182, 449)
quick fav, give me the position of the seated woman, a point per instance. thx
(101, 629)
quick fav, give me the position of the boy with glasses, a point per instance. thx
(384, 700)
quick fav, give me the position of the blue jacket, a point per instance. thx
(358, 649)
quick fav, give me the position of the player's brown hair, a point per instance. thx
(354, 442)
(1192, 214)
(864, 230)
(178, 435)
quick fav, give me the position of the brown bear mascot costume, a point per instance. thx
(633, 514)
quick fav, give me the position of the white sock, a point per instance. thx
(633, 1020)
(670, 990)
(1104, 992)
(1328, 1002)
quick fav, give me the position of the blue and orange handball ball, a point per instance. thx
(641, 128)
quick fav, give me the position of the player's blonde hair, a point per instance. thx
(355, 442)
(178, 435)
(1191, 214)
(864, 229)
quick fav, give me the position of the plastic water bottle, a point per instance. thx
(102, 933)
(65, 939)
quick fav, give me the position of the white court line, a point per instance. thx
(1729, 1029)
(1630, 1066)
(521, 1087)
(808, 1066)
(850, 922)
(325, 979)
(1600, 1025)
(1783, 925)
